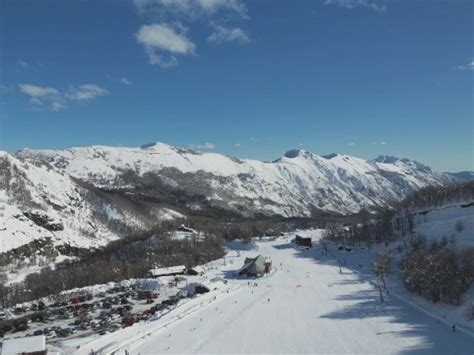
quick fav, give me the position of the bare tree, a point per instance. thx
(381, 266)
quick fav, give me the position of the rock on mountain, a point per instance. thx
(297, 184)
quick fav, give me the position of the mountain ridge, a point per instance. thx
(288, 186)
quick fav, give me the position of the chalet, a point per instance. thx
(302, 241)
(195, 270)
(183, 228)
(167, 271)
(253, 267)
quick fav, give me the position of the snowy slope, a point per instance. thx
(441, 222)
(43, 205)
(306, 306)
(26, 188)
(292, 185)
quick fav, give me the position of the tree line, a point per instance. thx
(439, 271)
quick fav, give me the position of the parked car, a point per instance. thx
(51, 335)
(63, 333)
(94, 323)
(128, 321)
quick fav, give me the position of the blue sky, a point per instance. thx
(245, 78)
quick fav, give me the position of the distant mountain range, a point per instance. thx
(464, 175)
(290, 186)
(88, 196)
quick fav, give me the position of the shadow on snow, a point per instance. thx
(436, 338)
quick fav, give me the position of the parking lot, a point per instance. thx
(87, 312)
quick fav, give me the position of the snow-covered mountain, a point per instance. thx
(46, 212)
(296, 184)
(464, 175)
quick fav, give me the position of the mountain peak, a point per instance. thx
(329, 156)
(154, 145)
(294, 153)
(387, 159)
(148, 145)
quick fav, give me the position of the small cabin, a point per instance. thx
(167, 271)
(254, 267)
(302, 241)
(183, 228)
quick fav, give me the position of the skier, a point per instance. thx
(454, 327)
(269, 300)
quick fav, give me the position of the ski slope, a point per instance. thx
(305, 306)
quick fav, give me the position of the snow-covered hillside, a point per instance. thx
(454, 223)
(44, 211)
(37, 202)
(294, 185)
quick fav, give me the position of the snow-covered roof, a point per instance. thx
(163, 271)
(16, 346)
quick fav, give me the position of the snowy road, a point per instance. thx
(307, 306)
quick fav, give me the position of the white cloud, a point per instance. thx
(57, 106)
(85, 92)
(125, 81)
(212, 6)
(38, 91)
(205, 146)
(223, 34)
(351, 144)
(158, 39)
(40, 95)
(23, 64)
(468, 66)
(190, 8)
(380, 143)
(238, 145)
(164, 42)
(377, 5)
(57, 100)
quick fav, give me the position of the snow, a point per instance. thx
(290, 184)
(305, 306)
(24, 345)
(35, 187)
(441, 223)
(49, 192)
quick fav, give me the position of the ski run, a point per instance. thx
(309, 303)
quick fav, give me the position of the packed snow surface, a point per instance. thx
(307, 305)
